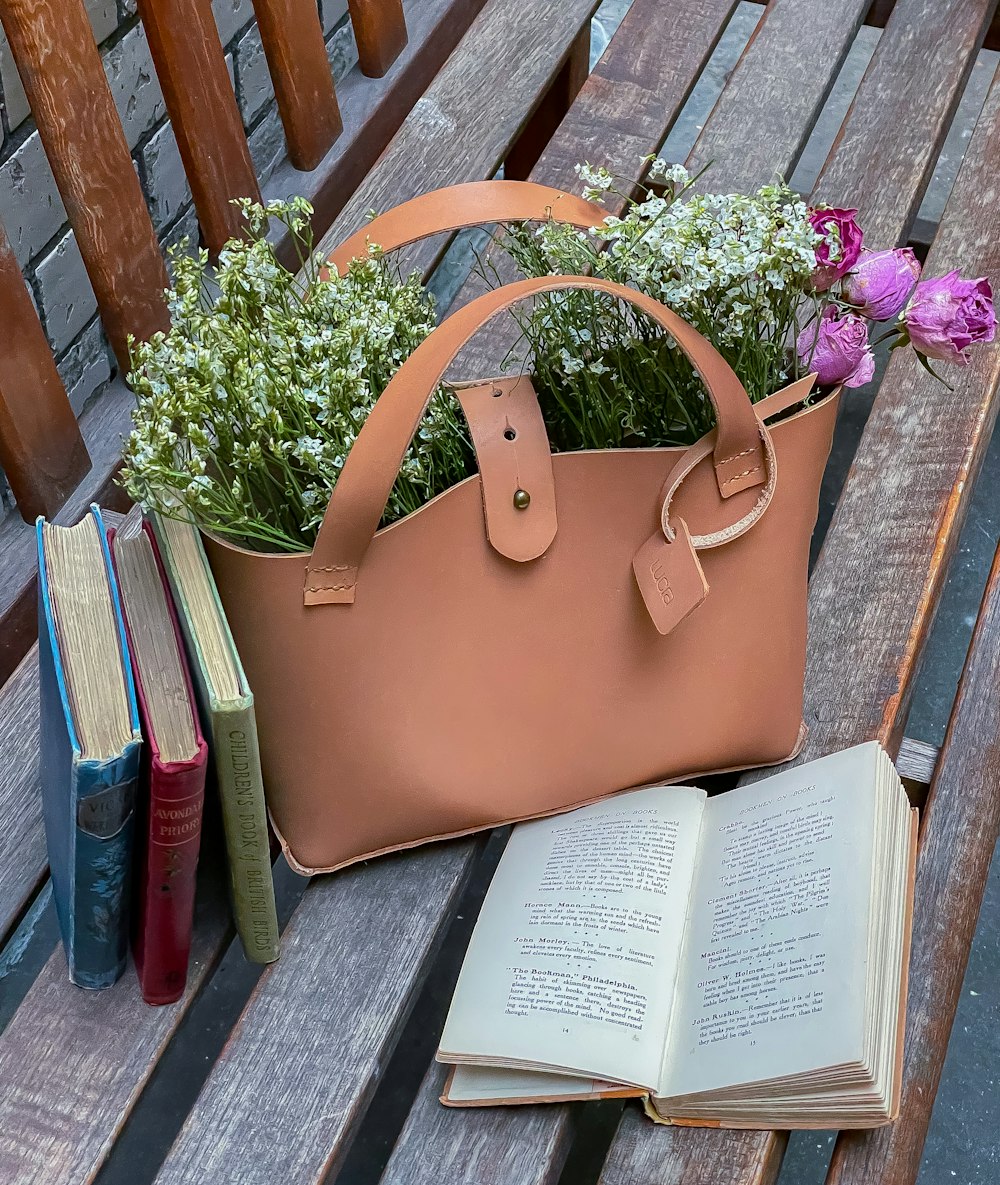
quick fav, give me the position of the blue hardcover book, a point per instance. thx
(90, 743)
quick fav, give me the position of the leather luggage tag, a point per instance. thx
(670, 577)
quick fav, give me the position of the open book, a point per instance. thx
(736, 961)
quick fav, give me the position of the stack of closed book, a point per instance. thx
(140, 686)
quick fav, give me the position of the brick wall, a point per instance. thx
(32, 211)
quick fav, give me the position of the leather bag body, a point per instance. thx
(481, 662)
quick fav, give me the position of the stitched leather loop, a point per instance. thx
(363, 488)
(770, 406)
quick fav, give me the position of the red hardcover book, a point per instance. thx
(174, 766)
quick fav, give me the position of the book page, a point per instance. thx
(773, 974)
(574, 958)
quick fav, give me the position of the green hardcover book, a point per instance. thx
(226, 703)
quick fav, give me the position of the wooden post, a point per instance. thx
(380, 31)
(538, 131)
(63, 77)
(191, 67)
(303, 82)
(41, 449)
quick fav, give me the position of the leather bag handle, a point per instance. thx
(476, 203)
(366, 480)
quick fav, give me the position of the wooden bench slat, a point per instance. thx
(290, 1087)
(292, 37)
(22, 842)
(476, 107)
(775, 93)
(380, 31)
(191, 66)
(904, 106)
(957, 839)
(57, 59)
(960, 826)
(509, 1146)
(41, 450)
(73, 1063)
(540, 128)
(644, 1152)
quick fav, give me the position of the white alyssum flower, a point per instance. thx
(248, 406)
(737, 267)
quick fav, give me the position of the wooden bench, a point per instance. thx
(321, 1066)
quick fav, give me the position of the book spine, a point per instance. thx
(162, 937)
(103, 828)
(244, 819)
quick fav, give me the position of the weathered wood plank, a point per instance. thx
(303, 83)
(538, 131)
(191, 66)
(462, 126)
(63, 77)
(314, 1039)
(41, 450)
(958, 835)
(644, 1154)
(510, 1146)
(904, 106)
(73, 1062)
(775, 93)
(22, 841)
(380, 31)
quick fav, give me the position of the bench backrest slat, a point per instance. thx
(303, 84)
(63, 77)
(41, 450)
(191, 66)
(380, 31)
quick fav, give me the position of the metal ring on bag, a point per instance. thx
(691, 458)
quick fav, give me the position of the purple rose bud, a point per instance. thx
(948, 315)
(837, 349)
(881, 282)
(841, 245)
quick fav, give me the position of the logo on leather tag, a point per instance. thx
(670, 577)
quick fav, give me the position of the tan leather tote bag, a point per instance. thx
(554, 629)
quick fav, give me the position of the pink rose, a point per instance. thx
(841, 245)
(881, 282)
(948, 315)
(837, 349)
